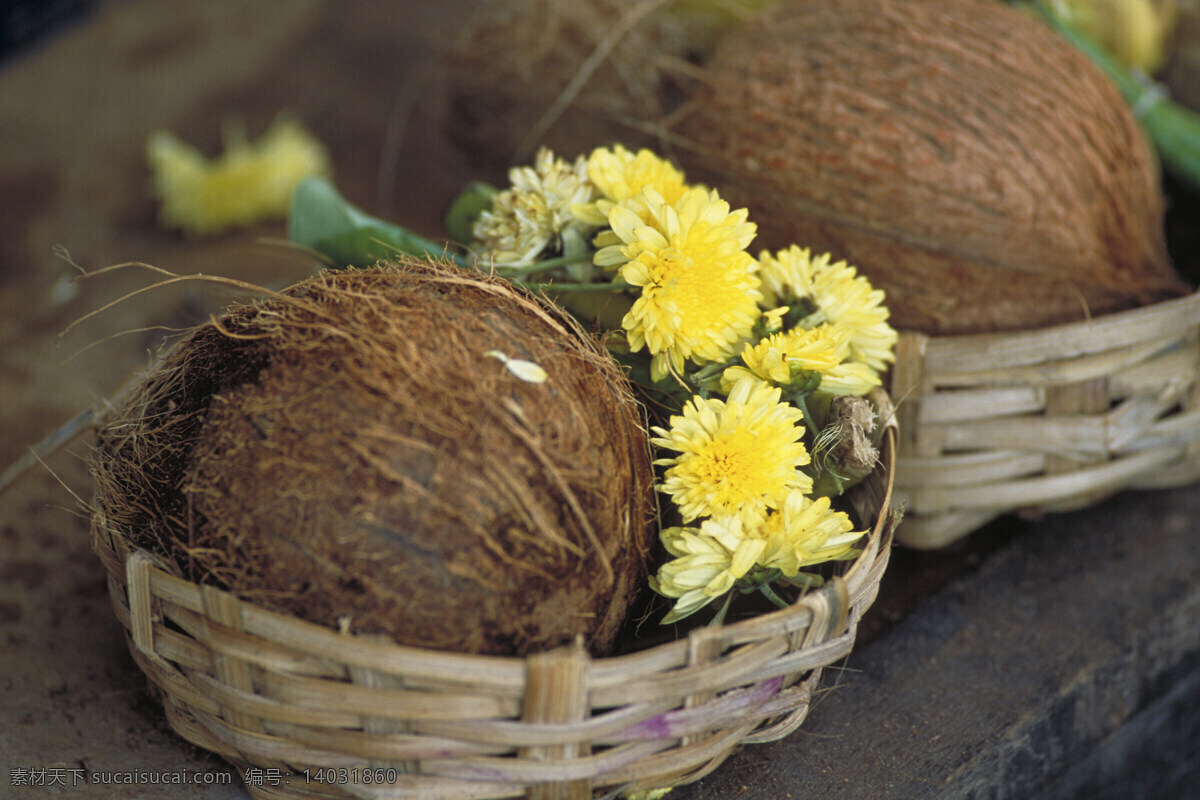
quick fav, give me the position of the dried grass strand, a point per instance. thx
(620, 27)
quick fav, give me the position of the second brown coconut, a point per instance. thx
(970, 161)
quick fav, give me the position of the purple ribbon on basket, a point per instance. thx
(632, 743)
(683, 721)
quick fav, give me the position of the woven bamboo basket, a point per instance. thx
(1044, 420)
(303, 711)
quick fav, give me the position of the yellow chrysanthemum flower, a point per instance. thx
(823, 349)
(736, 456)
(846, 298)
(533, 217)
(838, 294)
(806, 531)
(699, 287)
(786, 276)
(620, 175)
(249, 183)
(708, 561)
(776, 358)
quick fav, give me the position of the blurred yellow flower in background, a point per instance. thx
(1137, 33)
(249, 183)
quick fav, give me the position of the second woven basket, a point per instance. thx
(1045, 420)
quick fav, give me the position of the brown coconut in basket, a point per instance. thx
(359, 452)
(978, 167)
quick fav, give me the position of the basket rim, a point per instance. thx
(1016, 348)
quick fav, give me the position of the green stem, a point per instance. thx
(769, 593)
(542, 266)
(799, 401)
(719, 618)
(611, 286)
(707, 379)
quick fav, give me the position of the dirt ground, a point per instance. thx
(75, 112)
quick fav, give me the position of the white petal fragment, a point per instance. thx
(527, 371)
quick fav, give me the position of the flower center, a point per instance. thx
(673, 268)
(696, 288)
(733, 465)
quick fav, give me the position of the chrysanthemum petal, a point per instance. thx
(837, 294)
(620, 175)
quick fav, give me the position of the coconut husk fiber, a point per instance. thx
(570, 75)
(347, 453)
(971, 162)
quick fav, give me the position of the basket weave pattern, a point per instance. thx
(270, 692)
(1045, 420)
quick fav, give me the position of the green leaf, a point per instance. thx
(321, 219)
(358, 248)
(466, 208)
